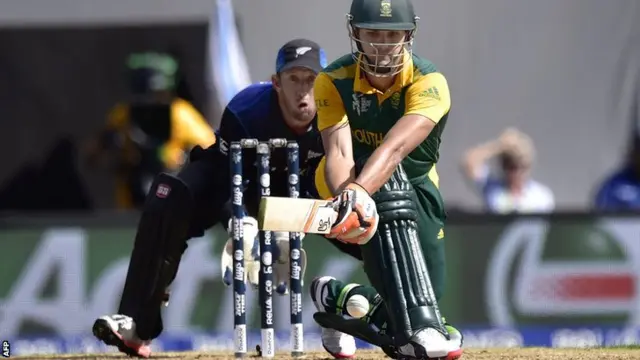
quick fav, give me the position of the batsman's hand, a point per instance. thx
(357, 219)
(251, 253)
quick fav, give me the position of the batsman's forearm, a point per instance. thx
(338, 172)
(378, 169)
(400, 141)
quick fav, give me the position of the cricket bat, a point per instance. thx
(296, 215)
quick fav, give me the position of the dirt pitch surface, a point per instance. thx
(470, 354)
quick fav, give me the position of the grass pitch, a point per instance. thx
(470, 354)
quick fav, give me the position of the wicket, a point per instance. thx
(263, 152)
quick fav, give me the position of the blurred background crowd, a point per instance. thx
(96, 99)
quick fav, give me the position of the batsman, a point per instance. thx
(381, 113)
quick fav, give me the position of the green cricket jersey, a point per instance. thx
(344, 95)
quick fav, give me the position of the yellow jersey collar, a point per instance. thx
(404, 78)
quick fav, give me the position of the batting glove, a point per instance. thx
(357, 219)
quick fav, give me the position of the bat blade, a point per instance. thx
(296, 215)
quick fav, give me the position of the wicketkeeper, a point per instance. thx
(183, 206)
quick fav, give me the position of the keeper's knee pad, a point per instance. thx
(159, 244)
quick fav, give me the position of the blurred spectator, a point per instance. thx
(152, 131)
(621, 190)
(512, 189)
